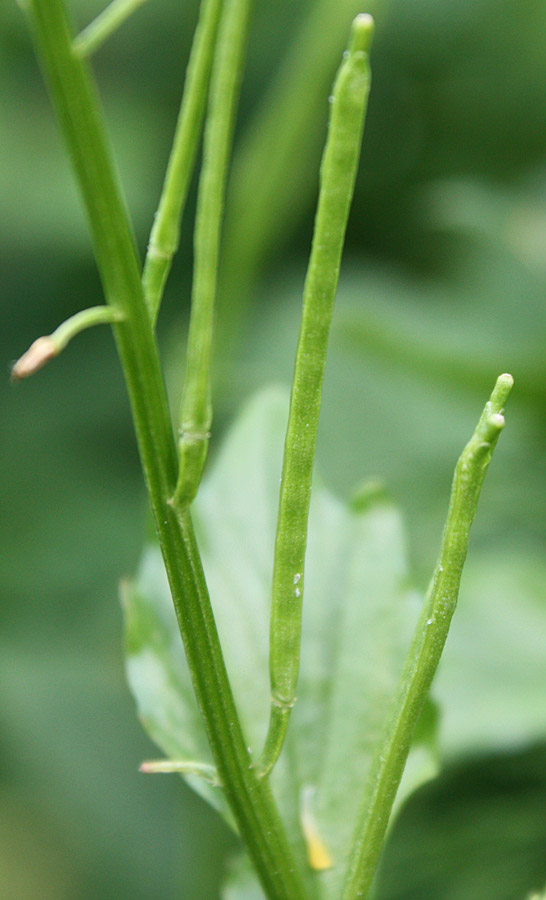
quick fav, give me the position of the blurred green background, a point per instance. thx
(442, 289)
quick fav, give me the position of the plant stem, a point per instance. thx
(80, 117)
(80, 321)
(196, 410)
(337, 177)
(45, 348)
(426, 648)
(185, 767)
(100, 29)
(165, 234)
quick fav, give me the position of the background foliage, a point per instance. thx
(443, 288)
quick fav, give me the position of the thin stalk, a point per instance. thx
(337, 177)
(100, 29)
(50, 345)
(196, 409)
(426, 648)
(165, 234)
(184, 767)
(78, 109)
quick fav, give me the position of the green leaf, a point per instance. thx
(358, 619)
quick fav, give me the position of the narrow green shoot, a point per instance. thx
(426, 648)
(100, 29)
(182, 767)
(45, 348)
(196, 410)
(165, 234)
(337, 177)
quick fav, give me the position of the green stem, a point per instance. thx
(45, 348)
(87, 318)
(426, 648)
(100, 29)
(337, 177)
(185, 767)
(196, 410)
(80, 117)
(165, 234)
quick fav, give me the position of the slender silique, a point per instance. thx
(426, 648)
(80, 117)
(196, 410)
(165, 234)
(337, 176)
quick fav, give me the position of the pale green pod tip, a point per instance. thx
(362, 32)
(501, 390)
(492, 420)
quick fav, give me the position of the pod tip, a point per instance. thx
(362, 33)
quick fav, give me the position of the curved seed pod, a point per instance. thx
(196, 411)
(337, 177)
(426, 648)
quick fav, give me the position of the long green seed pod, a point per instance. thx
(196, 410)
(337, 177)
(165, 234)
(426, 648)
